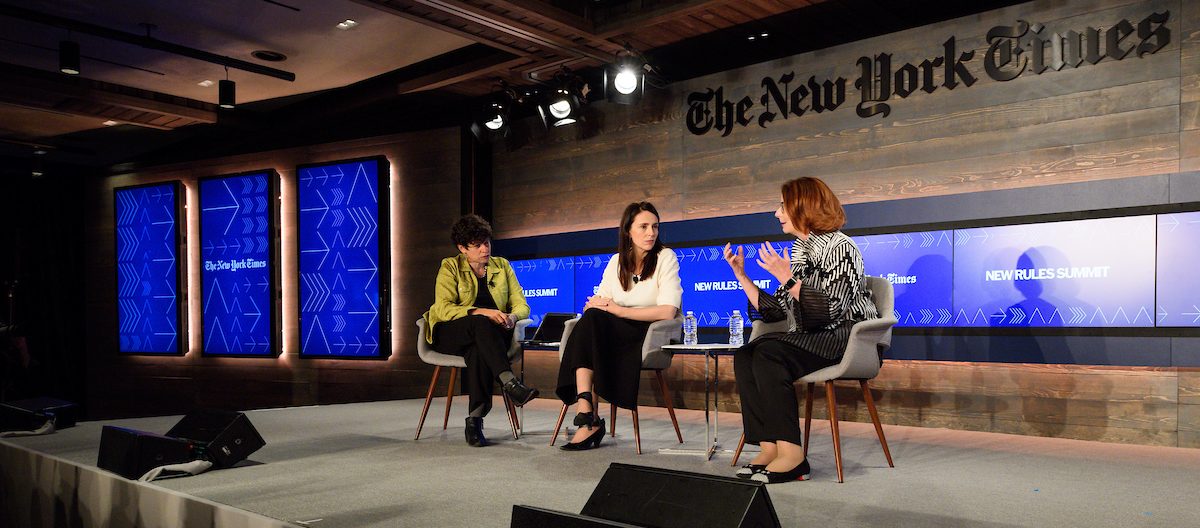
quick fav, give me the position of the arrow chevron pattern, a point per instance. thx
(1178, 284)
(339, 243)
(147, 279)
(235, 228)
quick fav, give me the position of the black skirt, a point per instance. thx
(612, 348)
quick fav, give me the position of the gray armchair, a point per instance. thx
(864, 356)
(654, 357)
(427, 354)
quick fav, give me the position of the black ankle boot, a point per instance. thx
(474, 432)
(518, 392)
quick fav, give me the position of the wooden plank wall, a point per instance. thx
(425, 187)
(1116, 119)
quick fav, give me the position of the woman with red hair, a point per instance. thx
(822, 293)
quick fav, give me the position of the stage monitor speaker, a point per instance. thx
(32, 414)
(131, 453)
(531, 517)
(665, 498)
(226, 437)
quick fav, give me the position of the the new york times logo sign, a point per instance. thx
(1012, 51)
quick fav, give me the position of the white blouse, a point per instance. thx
(663, 288)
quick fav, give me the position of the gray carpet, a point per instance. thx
(357, 466)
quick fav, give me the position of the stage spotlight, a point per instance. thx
(492, 122)
(563, 104)
(68, 57)
(625, 80)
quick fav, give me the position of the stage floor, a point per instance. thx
(356, 465)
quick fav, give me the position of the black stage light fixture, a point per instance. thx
(226, 91)
(563, 103)
(492, 121)
(68, 57)
(625, 78)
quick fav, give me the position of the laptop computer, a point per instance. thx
(550, 332)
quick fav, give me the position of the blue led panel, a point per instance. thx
(238, 264)
(548, 285)
(589, 269)
(149, 275)
(1178, 282)
(709, 287)
(341, 235)
(919, 266)
(1082, 273)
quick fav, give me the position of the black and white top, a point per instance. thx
(833, 295)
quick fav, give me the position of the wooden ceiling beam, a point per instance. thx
(548, 14)
(460, 73)
(388, 7)
(643, 20)
(544, 39)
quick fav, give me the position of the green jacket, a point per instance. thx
(457, 287)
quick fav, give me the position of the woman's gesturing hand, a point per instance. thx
(778, 264)
(736, 261)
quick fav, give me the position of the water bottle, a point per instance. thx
(689, 328)
(735, 328)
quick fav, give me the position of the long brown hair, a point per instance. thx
(627, 257)
(812, 206)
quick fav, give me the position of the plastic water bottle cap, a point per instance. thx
(737, 312)
(689, 312)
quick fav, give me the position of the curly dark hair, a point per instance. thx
(470, 229)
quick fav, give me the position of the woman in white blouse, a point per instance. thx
(604, 353)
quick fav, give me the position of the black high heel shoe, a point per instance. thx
(591, 442)
(586, 419)
(800, 472)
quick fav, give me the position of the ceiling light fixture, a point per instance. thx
(68, 57)
(110, 122)
(346, 24)
(493, 120)
(563, 103)
(226, 92)
(625, 78)
(206, 83)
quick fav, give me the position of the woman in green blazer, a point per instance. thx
(477, 301)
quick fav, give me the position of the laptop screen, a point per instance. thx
(551, 329)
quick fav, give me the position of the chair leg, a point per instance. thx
(662, 384)
(512, 416)
(558, 425)
(450, 396)
(808, 403)
(437, 369)
(612, 418)
(875, 419)
(637, 435)
(831, 400)
(738, 452)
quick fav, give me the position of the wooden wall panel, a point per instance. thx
(424, 187)
(1115, 119)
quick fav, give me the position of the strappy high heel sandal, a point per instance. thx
(587, 419)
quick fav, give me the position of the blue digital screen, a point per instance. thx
(1178, 283)
(148, 273)
(340, 214)
(1082, 273)
(919, 265)
(709, 287)
(589, 269)
(548, 285)
(237, 264)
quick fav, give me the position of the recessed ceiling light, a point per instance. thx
(110, 122)
(39, 152)
(346, 24)
(268, 55)
(751, 37)
(764, 34)
(205, 83)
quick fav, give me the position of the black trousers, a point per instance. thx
(484, 345)
(611, 347)
(765, 370)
